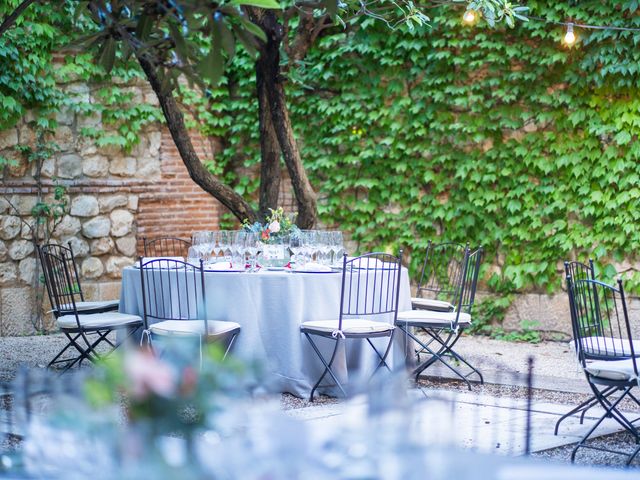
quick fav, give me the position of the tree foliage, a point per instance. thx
(502, 137)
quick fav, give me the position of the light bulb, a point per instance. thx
(469, 17)
(570, 37)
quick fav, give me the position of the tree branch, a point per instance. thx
(8, 22)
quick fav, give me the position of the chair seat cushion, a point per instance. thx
(94, 320)
(99, 305)
(431, 304)
(431, 318)
(621, 370)
(608, 347)
(193, 327)
(356, 326)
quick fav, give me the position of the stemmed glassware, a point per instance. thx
(336, 246)
(251, 247)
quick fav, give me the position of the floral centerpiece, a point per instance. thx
(274, 235)
(277, 226)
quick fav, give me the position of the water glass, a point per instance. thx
(336, 243)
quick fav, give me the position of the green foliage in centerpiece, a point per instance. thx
(277, 226)
(166, 396)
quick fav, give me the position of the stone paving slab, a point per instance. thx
(486, 423)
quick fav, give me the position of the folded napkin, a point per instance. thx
(219, 266)
(315, 267)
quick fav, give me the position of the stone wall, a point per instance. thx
(115, 199)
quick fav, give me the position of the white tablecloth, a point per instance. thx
(270, 306)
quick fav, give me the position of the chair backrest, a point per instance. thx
(580, 271)
(442, 271)
(600, 321)
(469, 280)
(60, 278)
(166, 247)
(172, 290)
(370, 285)
(66, 253)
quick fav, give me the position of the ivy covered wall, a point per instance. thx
(503, 137)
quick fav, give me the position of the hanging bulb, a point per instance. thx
(469, 17)
(570, 37)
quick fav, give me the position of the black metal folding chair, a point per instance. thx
(579, 271)
(175, 304)
(444, 328)
(85, 330)
(166, 247)
(370, 289)
(606, 351)
(441, 277)
(82, 305)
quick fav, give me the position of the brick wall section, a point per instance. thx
(174, 205)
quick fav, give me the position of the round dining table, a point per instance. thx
(270, 306)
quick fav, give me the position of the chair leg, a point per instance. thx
(418, 370)
(583, 407)
(447, 350)
(608, 412)
(383, 358)
(327, 366)
(71, 343)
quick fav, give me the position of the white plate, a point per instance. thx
(275, 269)
(312, 271)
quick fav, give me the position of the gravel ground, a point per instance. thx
(553, 361)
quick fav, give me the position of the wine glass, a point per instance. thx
(251, 245)
(238, 249)
(324, 247)
(336, 243)
(224, 243)
(296, 245)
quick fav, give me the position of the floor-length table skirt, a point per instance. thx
(270, 306)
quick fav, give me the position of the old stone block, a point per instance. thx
(65, 116)
(123, 166)
(132, 203)
(4, 206)
(8, 138)
(64, 138)
(108, 290)
(27, 225)
(85, 206)
(24, 203)
(155, 142)
(3, 251)
(68, 226)
(27, 270)
(9, 227)
(20, 249)
(8, 274)
(151, 98)
(114, 266)
(97, 227)
(87, 146)
(92, 268)
(94, 120)
(17, 310)
(102, 245)
(121, 222)
(148, 167)
(127, 245)
(48, 169)
(79, 246)
(95, 166)
(78, 92)
(70, 166)
(110, 202)
(26, 135)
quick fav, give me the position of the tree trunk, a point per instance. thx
(270, 171)
(197, 171)
(270, 62)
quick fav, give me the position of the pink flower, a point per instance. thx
(265, 234)
(274, 226)
(149, 375)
